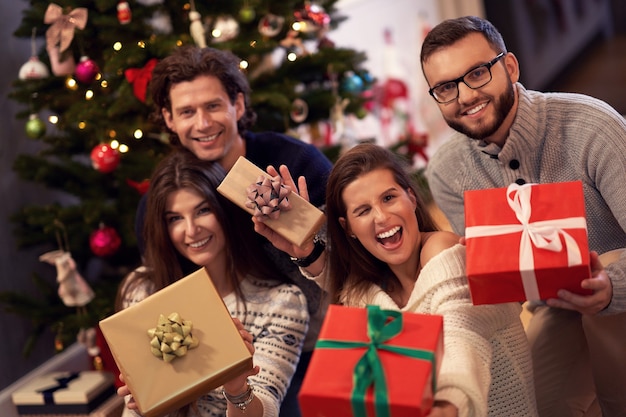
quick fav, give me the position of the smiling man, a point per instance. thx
(202, 98)
(508, 134)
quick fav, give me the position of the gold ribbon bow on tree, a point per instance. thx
(62, 27)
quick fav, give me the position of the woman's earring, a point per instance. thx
(353, 236)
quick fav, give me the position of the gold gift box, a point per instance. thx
(297, 225)
(160, 387)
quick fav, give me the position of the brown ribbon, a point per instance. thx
(62, 27)
(268, 196)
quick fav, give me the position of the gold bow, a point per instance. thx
(62, 26)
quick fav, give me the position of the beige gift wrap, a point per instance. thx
(297, 225)
(64, 392)
(160, 387)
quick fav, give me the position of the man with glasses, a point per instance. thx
(505, 134)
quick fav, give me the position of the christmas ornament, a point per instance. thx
(197, 29)
(104, 158)
(225, 29)
(86, 70)
(247, 13)
(61, 64)
(312, 18)
(105, 241)
(35, 127)
(73, 289)
(270, 25)
(293, 43)
(62, 26)
(141, 187)
(299, 110)
(139, 78)
(33, 69)
(124, 15)
(352, 83)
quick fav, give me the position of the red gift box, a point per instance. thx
(525, 242)
(372, 362)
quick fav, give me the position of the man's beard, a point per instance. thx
(503, 106)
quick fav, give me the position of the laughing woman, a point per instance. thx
(188, 221)
(385, 250)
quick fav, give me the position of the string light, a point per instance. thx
(88, 94)
(117, 46)
(54, 119)
(82, 125)
(138, 134)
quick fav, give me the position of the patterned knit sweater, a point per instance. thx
(486, 368)
(277, 317)
(555, 137)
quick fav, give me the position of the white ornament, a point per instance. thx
(196, 29)
(225, 29)
(33, 69)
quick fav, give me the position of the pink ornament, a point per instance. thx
(104, 158)
(105, 241)
(86, 70)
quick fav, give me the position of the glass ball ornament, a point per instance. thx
(33, 69)
(352, 83)
(86, 70)
(104, 158)
(247, 14)
(35, 127)
(104, 241)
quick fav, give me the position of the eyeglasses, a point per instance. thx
(475, 78)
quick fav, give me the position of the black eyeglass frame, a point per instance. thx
(487, 65)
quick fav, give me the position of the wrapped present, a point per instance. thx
(64, 393)
(112, 407)
(525, 242)
(284, 211)
(176, 345)
(370, 362)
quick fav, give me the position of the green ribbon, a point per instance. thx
(369, 370)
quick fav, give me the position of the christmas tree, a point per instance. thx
(84, 98)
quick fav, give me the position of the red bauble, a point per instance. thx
(104, 158)
(86, 70)
(105, 241)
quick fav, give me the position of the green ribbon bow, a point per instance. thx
(369, 370)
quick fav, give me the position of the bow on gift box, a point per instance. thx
(382, 325)
(140, 77)
(62, 383)
(543, 234)
(268, 196)
(62, 26)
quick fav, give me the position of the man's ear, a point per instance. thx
(167, 117)
(240, 106)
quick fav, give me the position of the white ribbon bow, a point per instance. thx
(544, 234)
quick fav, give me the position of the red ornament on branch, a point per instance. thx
(104, 158)
(105, 241)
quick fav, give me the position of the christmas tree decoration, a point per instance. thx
(73, 289)
(197, 29)
(35, 127)
(62, 26)
(246, 13)
(352, 83)
(311, 18)
(124, 14)
(139, 78)
(299, 110)
(225, 28)
(104, 158)
(104, 241)
(270, 25)
(141, 187)
(33, 69)
(86, 70)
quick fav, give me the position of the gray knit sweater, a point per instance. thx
(555, 137)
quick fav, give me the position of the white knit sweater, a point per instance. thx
(486, 368)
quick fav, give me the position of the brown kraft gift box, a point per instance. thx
(160, 387)
(297, 225)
